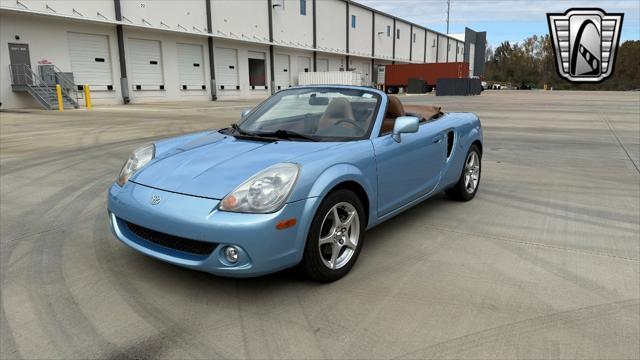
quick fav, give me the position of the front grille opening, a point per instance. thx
(173, 242)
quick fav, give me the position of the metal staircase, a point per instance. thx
(23, 78)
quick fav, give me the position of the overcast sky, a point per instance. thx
(512, 20)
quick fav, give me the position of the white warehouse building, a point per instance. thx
(156, 50)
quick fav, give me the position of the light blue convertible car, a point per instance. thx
(296, 182)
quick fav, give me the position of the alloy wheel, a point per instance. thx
(339, 235)
(472, 172)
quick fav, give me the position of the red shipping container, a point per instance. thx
(398, 75)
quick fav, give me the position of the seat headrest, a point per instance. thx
(339, 108)
(394, 108)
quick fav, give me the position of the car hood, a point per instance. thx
(213, 165)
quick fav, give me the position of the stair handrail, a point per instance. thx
(31, 79)
(67, 85)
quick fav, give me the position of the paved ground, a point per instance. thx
(544, 263)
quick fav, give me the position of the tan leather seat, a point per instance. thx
(394, 111)
(338, 109)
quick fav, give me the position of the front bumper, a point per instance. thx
(262, 248)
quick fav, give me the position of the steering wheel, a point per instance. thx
(352, 123)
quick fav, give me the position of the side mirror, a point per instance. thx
(404, 125)
(245, 112)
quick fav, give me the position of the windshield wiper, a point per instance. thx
(280, 134)
(287, 134)
(246, 135)
(236, 127)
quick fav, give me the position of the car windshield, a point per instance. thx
(315, 113)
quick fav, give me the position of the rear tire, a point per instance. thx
(467, 186)
(335, 237)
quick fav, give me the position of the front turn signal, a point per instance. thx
(286, 224)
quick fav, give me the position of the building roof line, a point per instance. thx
(379, 12)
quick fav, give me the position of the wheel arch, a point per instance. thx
(347, 176)
(357, 189)
(478, 143)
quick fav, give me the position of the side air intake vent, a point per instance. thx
(450, 139)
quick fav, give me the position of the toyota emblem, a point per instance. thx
(155, 200)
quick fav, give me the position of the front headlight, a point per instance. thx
(139, 158)
(264, 192)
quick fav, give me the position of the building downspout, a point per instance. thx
(212, 64)
(347, 37)
(374, 71)
(373, 34)
(315, 38)
(411, 43)
(272, 68)
(124, 82)
(425, 46)
(448, 45)
(393, 55)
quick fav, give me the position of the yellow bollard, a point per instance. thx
(60, 101)
(87, 96)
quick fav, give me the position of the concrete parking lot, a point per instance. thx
(543, 263)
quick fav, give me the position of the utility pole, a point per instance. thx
(448, 9)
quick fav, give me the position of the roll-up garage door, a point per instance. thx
(227, 68)
(304, 65)
(322, 65)
(282, 71)
(146, 64)
(191, 67)
(365, 72)
(90, 60)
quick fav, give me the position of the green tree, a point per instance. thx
(533, 62)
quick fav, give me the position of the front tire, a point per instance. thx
(335, 237)
(467, 186)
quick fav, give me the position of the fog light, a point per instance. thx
(231, 253)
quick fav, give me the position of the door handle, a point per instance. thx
(437, 139)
